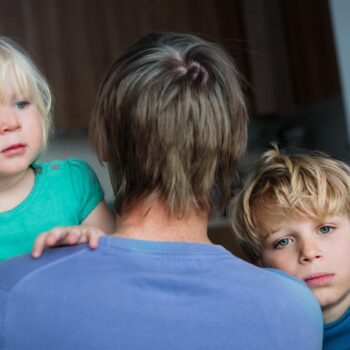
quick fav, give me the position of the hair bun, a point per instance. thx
(196, 71)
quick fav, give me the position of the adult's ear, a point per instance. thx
(102, 154)
(98, 145)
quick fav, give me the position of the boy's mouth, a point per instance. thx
(319, 279)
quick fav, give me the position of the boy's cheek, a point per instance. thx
(280, 261)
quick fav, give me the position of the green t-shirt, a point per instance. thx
(64, 194)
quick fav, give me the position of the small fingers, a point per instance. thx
(94, 237)
(75, 236)
(56, 236)
(39, 245)
(66, 236)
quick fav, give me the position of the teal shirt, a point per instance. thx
(337, 334)
(64, 194)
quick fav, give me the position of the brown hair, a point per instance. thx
(302, 184)
(170, 120)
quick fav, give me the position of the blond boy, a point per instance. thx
(293, 214)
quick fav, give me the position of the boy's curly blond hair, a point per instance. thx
(303, 184)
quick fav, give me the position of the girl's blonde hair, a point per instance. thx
(18, 70)
(300, 185)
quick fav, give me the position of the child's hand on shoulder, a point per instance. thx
(69, 235)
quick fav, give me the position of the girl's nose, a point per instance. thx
(8, 120)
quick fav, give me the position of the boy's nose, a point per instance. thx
(8, 120)
(310, 251)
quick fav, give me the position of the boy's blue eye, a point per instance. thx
(21, 104)
(283, 242)
(325, 229)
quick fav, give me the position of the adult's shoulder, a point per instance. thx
(19, 269)
(272, 289)
(293, 297)
(288, 283)
(267, 278)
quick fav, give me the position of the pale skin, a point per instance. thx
(316, 251)
(150, 221)
(98, 223)
(147, 220)
(21, 139)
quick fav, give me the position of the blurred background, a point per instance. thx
(293, 54)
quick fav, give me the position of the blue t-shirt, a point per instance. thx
(337, 334)
(64, 194)
(133, 294)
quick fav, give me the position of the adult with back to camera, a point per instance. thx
(171, 123)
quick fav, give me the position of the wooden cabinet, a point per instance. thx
(291, 53)
(221, 233)
(284, 48)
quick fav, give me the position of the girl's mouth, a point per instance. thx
(14, 149)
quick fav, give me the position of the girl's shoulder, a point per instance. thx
(63, 167)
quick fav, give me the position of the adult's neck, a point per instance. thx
(152, 222)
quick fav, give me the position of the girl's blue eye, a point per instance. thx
(325, 229)
(21, 104)
(284, 242)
